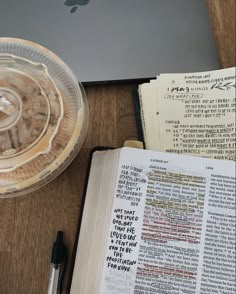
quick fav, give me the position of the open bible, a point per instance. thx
(157, 222)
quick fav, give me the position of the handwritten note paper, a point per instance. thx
(197, 114)
(193, 113)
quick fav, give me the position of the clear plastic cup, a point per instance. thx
(43, 116)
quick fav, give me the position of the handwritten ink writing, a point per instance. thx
(122, 238)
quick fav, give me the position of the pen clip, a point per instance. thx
(59, 259)
(62, 270)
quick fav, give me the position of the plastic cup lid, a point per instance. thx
(43, 116)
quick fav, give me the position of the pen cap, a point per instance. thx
(59, 250)
(43, 116)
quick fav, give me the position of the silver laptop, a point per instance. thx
(112, 40)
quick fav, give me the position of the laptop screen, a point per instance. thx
(107, 40)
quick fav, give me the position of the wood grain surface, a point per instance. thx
(28, 224)
(222, 16)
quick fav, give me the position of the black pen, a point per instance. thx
(58, 264)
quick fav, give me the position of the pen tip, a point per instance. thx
(59, 236)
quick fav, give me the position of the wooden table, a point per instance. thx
(28, 224)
